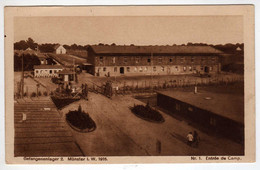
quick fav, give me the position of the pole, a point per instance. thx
(74, 76)
(152, 69)
(22, 80)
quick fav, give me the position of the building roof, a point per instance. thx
(57, 46)
(29, 49)
(47, 66)
(226, 105)
(106, 49)
(66, 72)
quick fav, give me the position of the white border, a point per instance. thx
(125, 2)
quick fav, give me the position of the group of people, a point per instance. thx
(193, 139)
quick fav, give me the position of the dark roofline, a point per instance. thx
(47, 67)
(156, 50)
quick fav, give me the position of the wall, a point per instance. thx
(46, 72)
(214, 122)
(153, 70)
(147, 60)
(145, 64)
(60, 50)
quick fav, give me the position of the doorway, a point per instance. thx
(206, 69)
(122, 70)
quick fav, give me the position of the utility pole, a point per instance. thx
(74, 76)
(152, 68)
(22, 79)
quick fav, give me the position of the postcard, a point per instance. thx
(129, 84)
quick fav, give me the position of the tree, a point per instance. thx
(47, 48)
(30, 42)
(21, 45)
(28, 62)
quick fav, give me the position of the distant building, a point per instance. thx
(238, 49)
(29, 49)
(222, 113)
(67, 75)
(106, 60)
(47, 70)
(43, 59)
(59, 49)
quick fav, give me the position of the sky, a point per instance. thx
(148, 30)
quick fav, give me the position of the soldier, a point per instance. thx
(189, 138)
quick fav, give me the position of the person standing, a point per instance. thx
(189, 138)
(196, 139)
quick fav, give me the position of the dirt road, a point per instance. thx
(120, 132)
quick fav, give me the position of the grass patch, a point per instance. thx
(147, 113)
(80, 121)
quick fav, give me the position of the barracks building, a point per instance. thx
(113, 60)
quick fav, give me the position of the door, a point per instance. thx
(206, 69)
(66, 78)
(122, 70)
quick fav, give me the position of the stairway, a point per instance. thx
(40, 131)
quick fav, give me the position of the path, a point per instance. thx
(120, 132)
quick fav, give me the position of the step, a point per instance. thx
(41, 129)
(19, 141)
(42, 134)
(37, 120)
(32, 115)
(48, 153)
(56, 149)
(37, 125)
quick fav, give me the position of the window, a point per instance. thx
(192, 59)
(212, 121)
(137, 59)
(148, 60)
(170, 60)
(115, 69)
(50, 71)
(162, 68)
(125, 59)
(190, 68)
(177, 107)
(176, 67)
(182, 59)
(146, 68)
(101, 59)
(160, 59)
(37, 71)
(184, 68)
(114, 60)
(136, 69)
(154, 68)
(141, 69)
(190, 109)
(128, 69)
(104, 69)
(213, 59)
(55, 71)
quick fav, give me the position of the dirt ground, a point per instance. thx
(29, 84)
(120, 133)
(148, 81)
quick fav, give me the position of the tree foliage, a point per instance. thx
(23, 45)
(28, 62)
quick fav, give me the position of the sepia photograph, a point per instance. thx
(93, 87)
